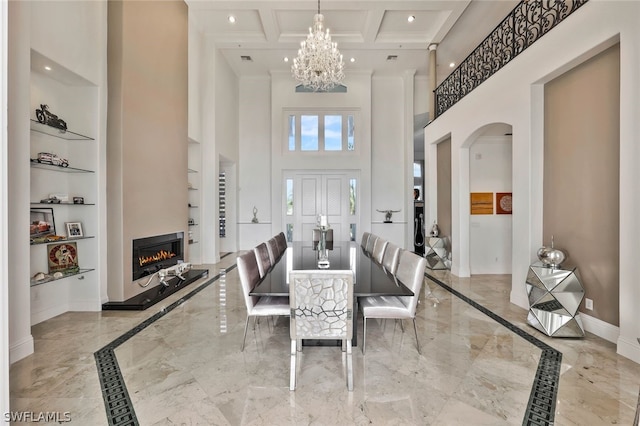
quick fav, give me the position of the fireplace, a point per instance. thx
(154, 253)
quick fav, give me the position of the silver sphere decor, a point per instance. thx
(551, 256)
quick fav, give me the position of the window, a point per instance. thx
(314, 132)
(289, 197)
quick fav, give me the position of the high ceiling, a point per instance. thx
(376, 33)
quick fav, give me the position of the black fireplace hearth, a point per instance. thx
(156, 294)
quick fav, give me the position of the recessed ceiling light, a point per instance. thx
(452, 64)
(246, 58)
(47, 67)
(411, 18)
(353, 59)
(392, 58)
(232, 19)
(286, 59)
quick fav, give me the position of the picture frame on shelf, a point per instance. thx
(74, 230)
(42, 222)
(63, 257)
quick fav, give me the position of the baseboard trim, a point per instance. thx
(600, 328)
(21, 349)
(629, 349)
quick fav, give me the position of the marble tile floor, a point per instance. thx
(185, 366)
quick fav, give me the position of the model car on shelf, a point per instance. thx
(53, 159)
(50, 200)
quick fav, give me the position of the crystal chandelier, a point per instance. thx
(319, 64)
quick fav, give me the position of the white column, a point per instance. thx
(433, 80)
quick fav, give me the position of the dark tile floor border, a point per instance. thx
(544, 391)
(120, 411)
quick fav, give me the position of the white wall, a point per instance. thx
(4, 222)
(388, 155)
(254, 178)
(514, 96)
(490, 235)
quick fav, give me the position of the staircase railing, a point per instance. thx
(525, 24)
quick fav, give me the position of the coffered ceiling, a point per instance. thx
(377, 34)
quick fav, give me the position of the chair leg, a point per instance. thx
(349, 366)
(364, 334)
(292, 373)
(246, 325)
(415, 329)
(401, 325)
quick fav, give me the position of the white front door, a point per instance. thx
(307, 195)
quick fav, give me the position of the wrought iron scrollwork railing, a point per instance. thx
(526, 23)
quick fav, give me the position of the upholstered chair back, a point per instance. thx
(365, 239)
(371, 243)
(249, 277)
(411, 273)
(378, 249)
(274, 253)
(390, 258)
(262, 257)
(282, 242)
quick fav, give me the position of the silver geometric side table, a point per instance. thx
(555, 294)
(435, 251)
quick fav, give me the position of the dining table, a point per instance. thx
(370, 277)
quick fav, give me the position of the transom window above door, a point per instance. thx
(321, 132)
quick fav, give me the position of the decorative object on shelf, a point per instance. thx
(482, 203)
(319, 65)
(64, 198)
(255, 215)
(45, 116)
(435, 231)
(63, 257)
(53, 159)
(52, 199)
(551, 256)
(40, 277)
(74, 229)
(191, 221)
(42, 223)
(78, 200)
(388, 214)
(504, 203)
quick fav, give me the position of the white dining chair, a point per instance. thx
(390, 258)
(410, 272)
(274, 252)
(378, 249)
(321, 304)
(262, 257)
(365, 240)
(371, 243)
(257, 306)
(281, 240)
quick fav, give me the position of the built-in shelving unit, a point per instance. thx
(193, 175)
(76, 287)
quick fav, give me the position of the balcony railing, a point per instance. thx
(525, 24)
